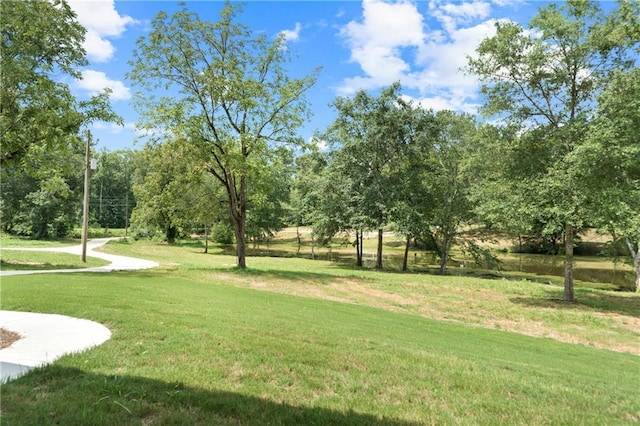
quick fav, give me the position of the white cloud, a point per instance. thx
(95, 82)
(113, 127)
(376, 43)
(452, 15)
(392, 43)
(292, 35)
(102, 21)
(439, 103)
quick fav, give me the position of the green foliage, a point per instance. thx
(222, 233)
(372, 139)
(545, 82)
(111, 200)
(169, 191)
(449, 182)
(42, 41)
(41, 45)
(607, 163)
(40, 206)
(223, 90)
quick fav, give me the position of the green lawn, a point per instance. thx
(293, 341)
(28, 260)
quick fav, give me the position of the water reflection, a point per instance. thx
(586, 269)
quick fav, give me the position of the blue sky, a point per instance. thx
(360, 45)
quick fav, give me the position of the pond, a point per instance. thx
(589, 269)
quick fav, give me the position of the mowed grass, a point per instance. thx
(28, 260)
(286, 342)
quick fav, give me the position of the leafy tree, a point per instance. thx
(449, 181)
(305, 192)
(163, 183)
(112, 198)
(545, 80)
(608, 163)
(41, 41)
(39, 204)
(372, 140)
(269, 197)
(223, 90)
(414, 206)
(41, 152)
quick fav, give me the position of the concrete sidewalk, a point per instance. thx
(118, 263)
(45, 338)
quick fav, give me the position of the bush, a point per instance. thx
(222, 233)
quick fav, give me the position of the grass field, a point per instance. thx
(27, 260)
(295, 341)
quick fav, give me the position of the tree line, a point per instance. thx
(553, 151)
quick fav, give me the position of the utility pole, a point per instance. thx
(85, 210)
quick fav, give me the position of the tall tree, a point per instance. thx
(224, 90)
(449, 181)
(608, 163)
(162, 181)
(40, 42)
(414, 208)
(371, 137)
(546, 78)
(305, 192)
(40, 119)
(269, 196)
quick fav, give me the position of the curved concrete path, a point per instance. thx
(118, 263)
(47, 337)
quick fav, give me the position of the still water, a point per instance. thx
(590, 269)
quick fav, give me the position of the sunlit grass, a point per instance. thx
(28, 260)
(296, 341)
(190, 345)
(15, 241)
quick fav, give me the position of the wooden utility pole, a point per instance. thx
(85, 210)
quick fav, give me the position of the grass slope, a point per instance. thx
(202, 343)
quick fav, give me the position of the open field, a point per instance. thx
(294, 341)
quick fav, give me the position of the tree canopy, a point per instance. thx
(40, 119)
(224, 90)
(546, 80)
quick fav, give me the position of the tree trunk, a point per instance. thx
(444, 254)
(206, 239)
(406, 253)
(171, 234)
(635, 254)
(568, 263)
(238, 213)
(238, 229)
(379, 253)
(443, 262)
(313, 246)
(359, 247)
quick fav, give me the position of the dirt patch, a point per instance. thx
(7, 338)
(494, 308)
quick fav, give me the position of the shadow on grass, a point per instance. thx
(59, 395)
(32, 266)
(305, 276)
(606, 302)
